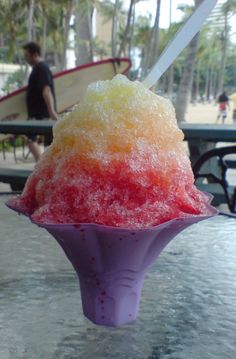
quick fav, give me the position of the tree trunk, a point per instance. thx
(31, 20)
(155, 36)
(56, 54)
(131, 32)
(185, 85)
(44, 36)
(141, 65)
(162, 85)
(170, 82)
(127, 29)
(223, 55)
(206, 91)
(90, 19)
(30, 35)
(211, 83)
(67, 18)
(114, 29)
(197, 81)
(153, 44)
(214, 83)
(83, 37)
(171, 69)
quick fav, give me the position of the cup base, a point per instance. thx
(112, 301)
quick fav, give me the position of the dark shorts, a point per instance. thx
(34, 138)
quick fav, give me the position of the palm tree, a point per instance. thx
(228, 9)
(114, 28)
(114, 13)
(67, 18)
(31, 20)
(142, 31)
(153, 43)
(185, 85)
(122, 49)
(171, 69)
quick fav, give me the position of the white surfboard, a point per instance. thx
(70, 86)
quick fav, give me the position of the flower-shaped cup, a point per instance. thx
(111, 263)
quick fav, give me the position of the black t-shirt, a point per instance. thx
(40, 77)
(223, 98)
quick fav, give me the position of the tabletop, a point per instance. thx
(206, 132)
(23, 127)
(187, 310)
(209, 132)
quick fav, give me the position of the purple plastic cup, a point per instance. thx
(111, 263)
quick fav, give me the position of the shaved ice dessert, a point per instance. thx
(114, 188)
(118, 159)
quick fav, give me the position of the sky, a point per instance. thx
(149, 6)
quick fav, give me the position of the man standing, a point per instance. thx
(40, 98)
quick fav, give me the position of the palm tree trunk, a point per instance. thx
(214, 85)
(155, 37)
(127, 29)
(170, 82)
(44, 36)
(67, 18)
(223, 55)
(131, 32)
(31, 20)
(171, 69)
(198, 81)
(210, 83)
(206, 91)
(30, 34)
(163, 83)
(90, 18)
(114, 29)
(185, 85)
(153, 44)
(83, 37)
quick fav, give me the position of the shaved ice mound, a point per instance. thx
(118, 160)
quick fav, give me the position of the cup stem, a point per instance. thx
(111, 299)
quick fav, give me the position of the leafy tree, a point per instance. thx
(13, 81)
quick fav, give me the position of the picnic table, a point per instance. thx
(203, 137)
(23, 127)
(200, 137)
(17, 177)
(195, 133)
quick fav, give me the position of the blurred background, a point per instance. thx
(75, 32)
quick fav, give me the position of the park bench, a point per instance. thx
(217, 191)
(210, 172)
(201, 138)
(231, 163)
(15, 177)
